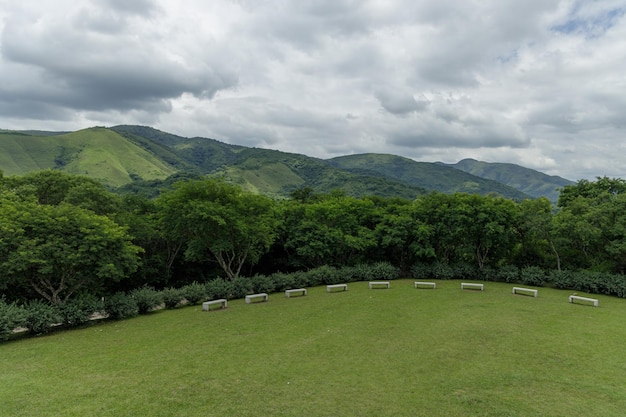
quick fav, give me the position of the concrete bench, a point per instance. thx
(577, 298)
(472, 286)
(222, 301)
(525, 291)
(425, 284)
(334, 286)
(295, 291)
(250, 297)
(379, 284)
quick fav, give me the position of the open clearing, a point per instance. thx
(382, 352)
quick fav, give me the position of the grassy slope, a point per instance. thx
(533, 183)
(100, 153)
(21, 153)
(397, 352)
(424, 174)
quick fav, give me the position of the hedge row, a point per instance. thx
(40, 317)
(586, 281)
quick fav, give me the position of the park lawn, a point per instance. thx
(381, 352)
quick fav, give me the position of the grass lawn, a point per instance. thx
(396, 352)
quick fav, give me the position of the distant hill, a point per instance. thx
(529, 181)
(96, 152)
(143, 159)
(432, 176)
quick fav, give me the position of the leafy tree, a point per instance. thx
(533, 227)
(403, 236)
(58, 250)
(218, 222)
(51, 187)
(336, 230)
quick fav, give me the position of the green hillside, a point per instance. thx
(96, 152)
(428, 175)
(533, 183)
(144, 159)
(279, 173)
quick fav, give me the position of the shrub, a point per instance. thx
(533, 275)
(465, 271)
(120, 306)
(508, 273)
(384, 271)
(41, 316)
(282, 281)
(78, 311)
(263, 283)
(300, 279)
(194, 292)
(147, 299)
(171, 297)
(11, 317)
(325, 275)
(218, 288)
(241, 286)
(441, 270)
(421, 271)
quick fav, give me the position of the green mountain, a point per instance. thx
(429, 175)
(96, 152)
(140, 158)
(529, 181)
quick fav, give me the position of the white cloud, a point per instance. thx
(539, 83)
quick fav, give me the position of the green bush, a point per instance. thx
(508, 273)
(464, 270)
(218, 288)
(241, 286)
(171, 297)
(41, 316)
(325, 275)
(147, 299)
(533, 275)
(263, 283)
(422, 271)
(78, 311)
(282, 281)
(121, 306)
(194, 293)
(384, 271)
(441, 270)
(564, 279)
(11, 317)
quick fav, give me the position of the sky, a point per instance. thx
(539, 83)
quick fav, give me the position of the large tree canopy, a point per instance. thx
(220, 222)
(61, 249)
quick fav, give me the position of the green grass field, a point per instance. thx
(396, 352)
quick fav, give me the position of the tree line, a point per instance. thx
(64, 236)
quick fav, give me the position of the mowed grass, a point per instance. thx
(396, 352)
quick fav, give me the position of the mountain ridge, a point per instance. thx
(142, 157)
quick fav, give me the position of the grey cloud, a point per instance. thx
(400, 103)
(86, 71)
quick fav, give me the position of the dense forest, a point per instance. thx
(65, 238)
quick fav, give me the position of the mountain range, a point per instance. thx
(144, 159)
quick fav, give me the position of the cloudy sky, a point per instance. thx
(540, 83)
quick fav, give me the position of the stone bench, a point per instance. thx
(295, 291)
(250, 297)
(472, 286)
(525, 291)
(379, 284)
(425, 284)
(334, 286)
(222, 301)
(578, 298)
